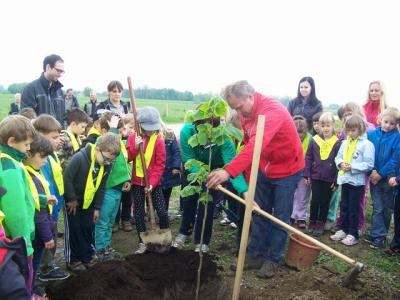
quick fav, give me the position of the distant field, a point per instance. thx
(175, 114)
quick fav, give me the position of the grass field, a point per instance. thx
(171, 111)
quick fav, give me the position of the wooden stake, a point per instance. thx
(249, 206)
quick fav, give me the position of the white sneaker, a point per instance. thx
(349, 240)
(225, 222)
(233, 225)
(338, 236)
(204, 248)
(179, 241)
(142, 249)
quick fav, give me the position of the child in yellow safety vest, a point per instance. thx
(77, 121)
(85, 180)
(16, 134)
(50, 128)
(148, 119)
(117, 182)
(44, 236)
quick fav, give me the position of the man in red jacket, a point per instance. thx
(281, 167)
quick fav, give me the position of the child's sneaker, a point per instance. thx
(329, 225)
(179, 241)
(392, 252)
(301, 224)
(225, 222)
(53, 274)
(142, 249)
(377, 243)
(311, 228)
(318, 229)
(233, 225)
(204, 248)
(349, 240)
(338, 236)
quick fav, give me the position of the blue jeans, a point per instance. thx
(275, 196)
(108, 211)
(382, 205)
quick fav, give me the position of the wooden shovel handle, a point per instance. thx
(141, 152)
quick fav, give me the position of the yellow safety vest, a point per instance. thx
(57, 173)
(91, 188)
(1, 217)
(305, 143)
(325, 146)
(124, 151)
(349, 149)
(75, 141)
(94, 131)
(43, 182)
(31, 184)
(147, 155)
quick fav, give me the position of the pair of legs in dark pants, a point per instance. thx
(395, 244)
(320, 200)
(275, 196)
(79, 235)
(193, 213)
(238, 209)
(167, 195)
(139, 198)
(124, 211)
(350, 208)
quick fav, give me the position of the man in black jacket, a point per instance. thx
(44, 94)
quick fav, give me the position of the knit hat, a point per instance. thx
(148, 118)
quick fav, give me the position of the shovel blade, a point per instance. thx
(157, 240)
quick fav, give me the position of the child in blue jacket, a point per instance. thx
(386, 140)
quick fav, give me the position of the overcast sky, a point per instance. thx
(203, 45)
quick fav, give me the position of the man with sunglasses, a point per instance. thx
(44, 94)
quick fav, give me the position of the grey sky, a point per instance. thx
(203, 45)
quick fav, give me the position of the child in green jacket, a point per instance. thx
(16, 135)
(118, 182)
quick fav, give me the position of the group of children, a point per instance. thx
(45, 170)
(350, 161)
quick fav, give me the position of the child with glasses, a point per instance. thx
(118, 181)
(85, 182)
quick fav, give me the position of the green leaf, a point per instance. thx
(202, 138)
(188, 190)
(189, 117)
(201, 128)
(193, 163)
(192, 177)
(193, 141)
(205, 197)
(220, 108)
(233, 132)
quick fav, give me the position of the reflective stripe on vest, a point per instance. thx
(75, 141)
(43, 182)
(90, 188)
(31, 184)
(147, 155)
(57, 173)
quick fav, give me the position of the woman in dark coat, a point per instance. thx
(306, 103)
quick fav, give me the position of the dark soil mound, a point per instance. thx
(151, 276)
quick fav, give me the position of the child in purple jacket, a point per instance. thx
(44, 235)
(320, 171)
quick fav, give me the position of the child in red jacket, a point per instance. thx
(148, 119)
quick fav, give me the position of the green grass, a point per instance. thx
(171, 111)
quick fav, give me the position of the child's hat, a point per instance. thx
(148, 118)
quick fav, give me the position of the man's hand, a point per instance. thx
(333, 187)
(51, 200)
(113, 123)
(126, 187)
(49, 245)
(217, 177)
(71, 207)
(96, 215)
(176, 172)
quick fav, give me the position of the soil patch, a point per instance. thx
(170, 275)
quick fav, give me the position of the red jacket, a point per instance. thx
(282, 153)
(157, 162)
(372, 109)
